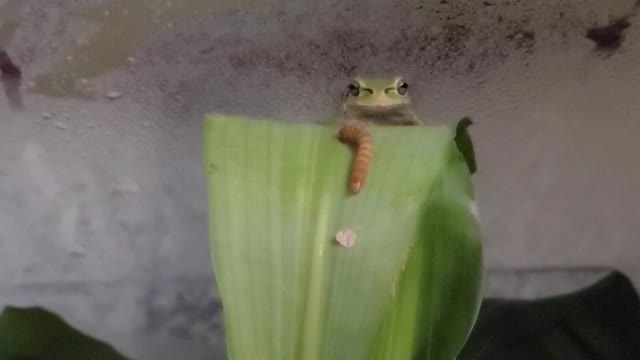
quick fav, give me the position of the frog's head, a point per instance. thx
(376, 93)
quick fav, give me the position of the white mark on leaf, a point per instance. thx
(346, 238)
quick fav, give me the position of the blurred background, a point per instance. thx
(103, 212)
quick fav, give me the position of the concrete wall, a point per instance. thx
(102, 197)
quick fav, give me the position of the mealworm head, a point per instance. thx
(356, 186)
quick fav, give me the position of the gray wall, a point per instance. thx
(102, 201)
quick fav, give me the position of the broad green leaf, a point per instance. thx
(408, 289)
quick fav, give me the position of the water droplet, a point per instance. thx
(113, 95)
(60, 125)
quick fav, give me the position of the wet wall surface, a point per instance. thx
(102, 199)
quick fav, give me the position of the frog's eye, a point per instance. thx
(402, 88)
(353, 89)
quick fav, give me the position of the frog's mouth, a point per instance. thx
(378, 110)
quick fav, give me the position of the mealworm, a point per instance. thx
(355, 133)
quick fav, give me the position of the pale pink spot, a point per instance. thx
(346, 238)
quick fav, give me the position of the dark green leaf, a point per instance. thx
(465, 144)
(35, 333)
(600, 322)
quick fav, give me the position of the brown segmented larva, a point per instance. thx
(355, 133)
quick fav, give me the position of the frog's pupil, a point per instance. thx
(354, 90)
(402, 89)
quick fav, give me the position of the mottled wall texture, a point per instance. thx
(102, 199)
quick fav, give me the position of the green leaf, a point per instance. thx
(35, 333)
(409, 288)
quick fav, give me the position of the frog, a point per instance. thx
(371, 101)
(379, 101)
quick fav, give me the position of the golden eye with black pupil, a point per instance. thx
(402, 88)
(353, 89)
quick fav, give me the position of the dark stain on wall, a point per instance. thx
(11, 79)
(608, 38)
(189, 310)
(7, 66)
